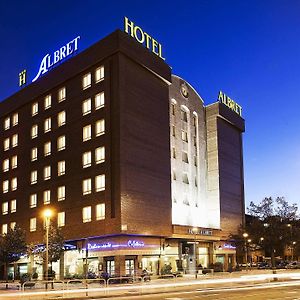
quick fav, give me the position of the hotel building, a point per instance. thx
(138, 172)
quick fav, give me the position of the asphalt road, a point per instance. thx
(259, 292)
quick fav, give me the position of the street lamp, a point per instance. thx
(195, 230)
(293, 245)
(47, 217)
(245, 235)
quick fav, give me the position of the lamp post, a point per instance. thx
(245, 235)
(249, 241)
(195, 230)
(47, 217)
(293, 245)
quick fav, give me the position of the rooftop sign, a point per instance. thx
(143, 37)
(230, 103)
(51, 60)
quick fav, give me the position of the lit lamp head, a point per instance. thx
(245, 235)
(47, 213)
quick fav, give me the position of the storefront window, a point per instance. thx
(129, 266)
(110, 267)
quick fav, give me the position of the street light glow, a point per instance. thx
(47, 213)
(245, 235)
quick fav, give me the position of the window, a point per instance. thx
(4, 208)
(195, 161)
(86, 81)
(34, 154)
(13, 206)
(87, 214)
(6, 144)
(129, 267)
(100, 211)
(47, 125)
(32, 226)
(194, 120)
(14, 162)
(47, 196)
(5, 165)
(5, 186)
(61, 168)
(61, 94)
(47, 102)
(34, 109)
(15, 119)
(184, 136)
(99, 74)
(99, 155)
(33, 177)
(100, 183)
(173, 152)
(87, 133)
(86, 159)
(185, 178)
(47, 148)
(61, 193)
(184, 115)
(185, 157)
(14, 140)
(33, 200)
(100, 127)
(99, 100)
(6, 125)
(61, 219)
(47, 173)
(86, 107)
(86, 186)
(61, 143)
(14, 183)
(12, 225)
(174, 175)
(61, 118)
(173, 130)
(173, 109)
(4, 229)
(34, 131)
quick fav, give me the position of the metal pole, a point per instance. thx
(246, 255)
(47, 246)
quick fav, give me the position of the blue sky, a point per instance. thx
(248, 49)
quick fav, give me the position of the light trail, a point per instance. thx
(146, 286)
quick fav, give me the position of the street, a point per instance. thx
(258, 292)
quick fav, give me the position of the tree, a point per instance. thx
(12, 247)
(55, 246)
(271, 224)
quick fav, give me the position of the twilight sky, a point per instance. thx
(248, 49)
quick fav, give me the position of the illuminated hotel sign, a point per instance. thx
(200, 231)
(230, 103)
(51, 60)
(143, 37)
(108, 245)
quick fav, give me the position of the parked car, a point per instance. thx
(293, 265)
